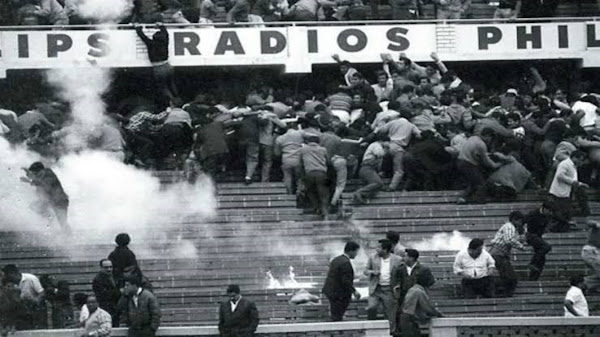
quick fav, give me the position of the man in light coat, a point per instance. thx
(379, 270)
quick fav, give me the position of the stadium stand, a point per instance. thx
(189, 289)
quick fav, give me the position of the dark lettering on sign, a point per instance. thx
(396, 35)
(313, 38)
(535, 37)
(98, 42)
(563, 36)
(58, 43)
(592, 40)
(229, 41)
(186, 41)
(265, 42)
(488, 35)
(361, 42)
(23, 45)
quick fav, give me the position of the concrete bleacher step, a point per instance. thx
(234, 248)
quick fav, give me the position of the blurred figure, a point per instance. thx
(238, 317)
(590, 253)
(58, 295)
(32, 295)
(50, 190)
(13, 312)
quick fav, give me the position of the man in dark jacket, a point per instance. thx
(158, 53)
(339, 284)
(404, 277)
(106, 290)
(425, 162)
(140, 309)
(537, 221)
(50, 189)
(238, 317)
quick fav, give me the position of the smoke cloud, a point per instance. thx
(441, 241)
(104, 11)
(106, 197)
(83, 90)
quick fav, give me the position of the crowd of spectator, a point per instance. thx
(121, 294)
(65, 12)
(421, 126)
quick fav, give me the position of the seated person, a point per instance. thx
(475, 265)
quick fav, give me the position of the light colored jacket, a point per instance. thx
(373, 269)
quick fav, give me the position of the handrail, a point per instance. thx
(307, 23)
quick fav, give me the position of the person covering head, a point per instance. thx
(36, 167)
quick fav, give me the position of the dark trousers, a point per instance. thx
(507, 280)
(338, 307)
(409, 326)
(475, 191)
(372, 180)
(538, 260)
(61, 211)
(214, 164)
(317, 190)
(164, 81)
(141, 145)
(478, 287)
(174, 139)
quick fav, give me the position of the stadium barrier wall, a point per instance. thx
(299, 47)
(341, 329)
(515, 327)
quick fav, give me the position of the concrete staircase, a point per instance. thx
(258, 229)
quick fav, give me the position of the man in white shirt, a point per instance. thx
(565, 184)
(575, 302)
(32, 294)
(586, 108)
(401, 131)
(383, 87)
(379, 269)
(369, 169)
(475, 265)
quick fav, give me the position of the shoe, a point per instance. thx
(358, 199)
(247, 180)
(461, 201)
(534, 273)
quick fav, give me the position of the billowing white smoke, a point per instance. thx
(106, 197)
(441, 241)
(17, 199)
(104, 11)
(83, 89)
